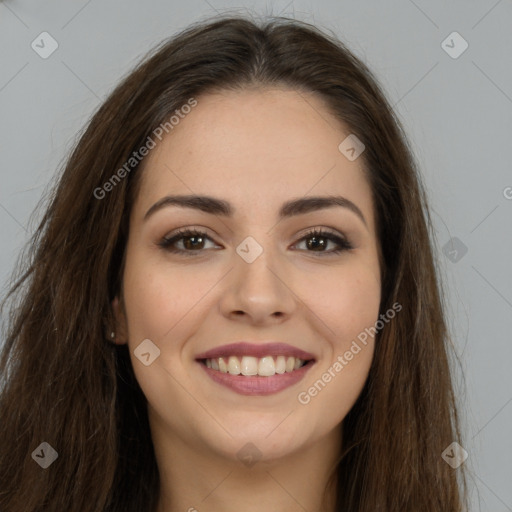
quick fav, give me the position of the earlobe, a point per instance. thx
(118, 334)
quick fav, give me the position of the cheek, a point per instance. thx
(348, 307)
(160, 306)
(328, 397)
(357, 307)
(159, 299)
(345, 301)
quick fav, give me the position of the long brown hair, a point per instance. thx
(62, 381)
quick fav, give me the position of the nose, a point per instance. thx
(258, 292)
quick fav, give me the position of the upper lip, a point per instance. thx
(259, 350)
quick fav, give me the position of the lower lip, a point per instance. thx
(256, 385)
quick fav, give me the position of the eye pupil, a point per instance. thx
(315, 242)
(192, 237)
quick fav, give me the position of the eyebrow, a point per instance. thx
(221, 207)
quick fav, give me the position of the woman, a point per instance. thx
(232, 298)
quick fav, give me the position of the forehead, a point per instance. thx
(255, 148)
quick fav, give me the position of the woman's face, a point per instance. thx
(254, 275)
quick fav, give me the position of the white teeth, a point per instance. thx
(234, 365)
(250, 366)
(280, 364)
(223, 367)
(266, 366)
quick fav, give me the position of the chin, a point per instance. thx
(265, 441)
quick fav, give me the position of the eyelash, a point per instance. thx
(167, 243)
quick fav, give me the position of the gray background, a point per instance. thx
(457, 112)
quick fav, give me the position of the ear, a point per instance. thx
(120, 329)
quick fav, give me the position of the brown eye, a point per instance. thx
(318, 240)
(193, 241)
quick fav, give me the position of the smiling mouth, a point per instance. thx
(250, 366)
